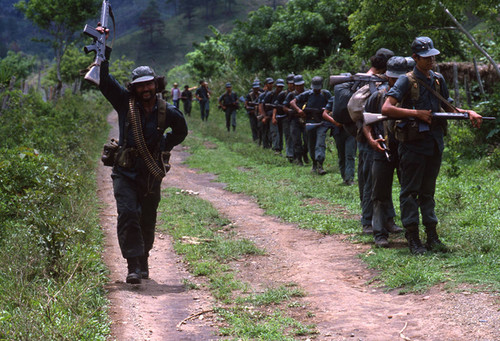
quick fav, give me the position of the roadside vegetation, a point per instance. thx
(208, 244)
(51, 273)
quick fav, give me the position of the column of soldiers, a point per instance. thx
(408, 140)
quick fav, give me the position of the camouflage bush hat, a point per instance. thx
(228, 85)
(424, 47)
(410, 63)
(396, 66)
(269, 80)
(289, 78)
(256, 85)
(142, 74)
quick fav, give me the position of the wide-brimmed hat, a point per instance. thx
(317, 83)
(298, 80)
(396, 66)
(143, 74)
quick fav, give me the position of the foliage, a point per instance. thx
(294, 37)
(51, 271)
(211, 57)
(15, 64)
(72, 62)
(394, 25)
(61, 19)
(150, 20)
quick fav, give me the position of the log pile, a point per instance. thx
(486, 71)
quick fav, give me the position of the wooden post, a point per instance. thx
(455, 83)
(478, 76)
(467, 90)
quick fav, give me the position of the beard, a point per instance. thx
(146, 95)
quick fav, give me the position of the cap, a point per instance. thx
(410, 62)
(298, 80)
(228, 85)
(396, 66)
(186, 86)
(384, 53)
(280, 82)
(176, 84)
(317, 83)
(289, 78)
(424, 47)
(142, 74)
(269, 80)
(256, 85)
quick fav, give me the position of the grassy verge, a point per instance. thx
(467, 204)
(51, 272)
(208, 244)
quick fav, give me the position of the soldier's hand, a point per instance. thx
(101, 29)
(375, 144)
(424, 115)
(475, 118)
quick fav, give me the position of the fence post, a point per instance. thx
(455, 83)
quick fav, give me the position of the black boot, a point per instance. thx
(134, 271)
(433, 242)
(143, 264)
(320, 169)
(414, 242)
(314, 167)
(305, 158)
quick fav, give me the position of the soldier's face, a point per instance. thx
(145, 90)
(425, 63)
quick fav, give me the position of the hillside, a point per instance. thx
(164, 50)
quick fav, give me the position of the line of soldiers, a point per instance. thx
(408, 91)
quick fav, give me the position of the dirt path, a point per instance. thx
(326, 267)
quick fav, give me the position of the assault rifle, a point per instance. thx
(371, 118)
(99, 46)
(384, 146)
(358, 77)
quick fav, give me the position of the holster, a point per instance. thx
(109, 153)
(126, 157)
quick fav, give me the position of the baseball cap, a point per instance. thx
(228, 85)
(269, 80)
(317, 83)
(280, 82)
(424, 47)
(396, 66)
(298, 80)
(142, 74)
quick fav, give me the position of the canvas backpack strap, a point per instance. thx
(445, 104)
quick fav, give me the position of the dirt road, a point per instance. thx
(345, 307)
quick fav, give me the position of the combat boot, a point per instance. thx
(305, 158)
(134, 271)
(433, 242)
(392, 227)
(414, 242)
(314, 167)
(320, 169)
(298, 161)
(143, 264)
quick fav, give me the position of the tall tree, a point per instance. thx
(60, 19)
(150, 20)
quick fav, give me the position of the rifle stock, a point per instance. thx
(99, 45)
(371, 118)
(364, 77)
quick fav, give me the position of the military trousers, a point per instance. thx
(230, 118)
(204, 109)
(298, 138)
(253, 125)
(365, 161)
(346, 150)
(383, 207)
(277, 135)
(288, 138)
(419, 173)
(316, 141)
(137, 203)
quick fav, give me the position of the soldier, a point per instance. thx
(315, 101)
(251, 107)
(421, 142)
(287, 120)
(276, 98)
(298, 139)
(187, 100)
(228, 101)
(385, 160)
(203, 96)
(263, 117)
(136, 186)
(365, 153)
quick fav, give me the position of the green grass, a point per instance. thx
(467, 204)
(209, 244)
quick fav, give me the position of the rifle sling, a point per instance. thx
(449, 107)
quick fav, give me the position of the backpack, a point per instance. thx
(356, 104)
(342, 93)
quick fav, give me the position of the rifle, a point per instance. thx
(358, 77)
(99, 45)
(371, 118)
(383, 145)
